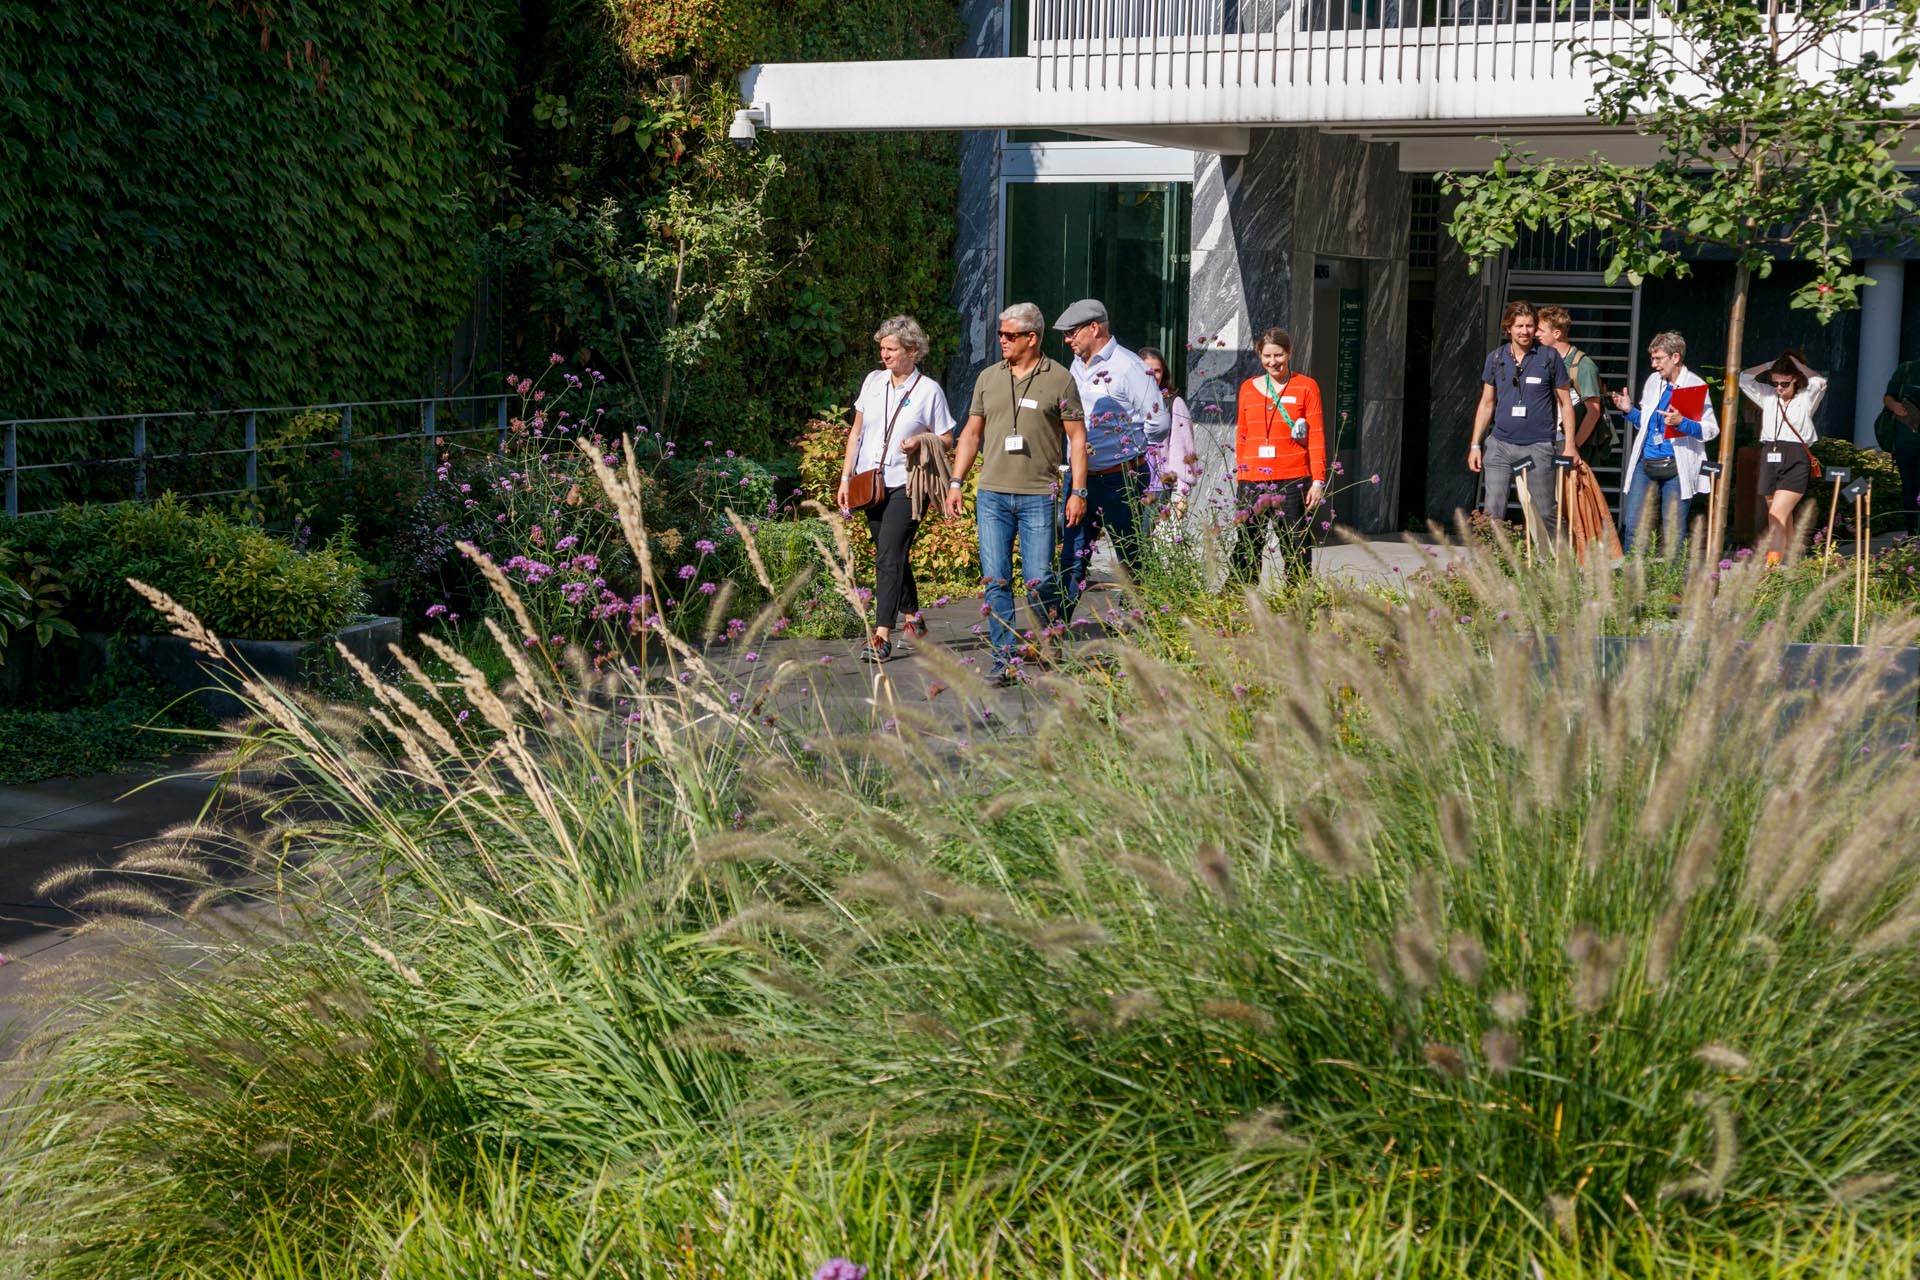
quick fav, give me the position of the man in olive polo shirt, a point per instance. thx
(1025, 422)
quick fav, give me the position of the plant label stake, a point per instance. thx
(1562, 476)
(1711, 471)
(1861, 491)
(1840, 476)
(1521, 469)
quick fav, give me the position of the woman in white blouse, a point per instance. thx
(1787, 393)
(898, 411)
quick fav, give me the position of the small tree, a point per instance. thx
(1777, 128)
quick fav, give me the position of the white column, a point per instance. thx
(1879, 341)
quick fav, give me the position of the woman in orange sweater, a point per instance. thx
(1280, 460)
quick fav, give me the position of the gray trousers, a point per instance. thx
(1497, 459)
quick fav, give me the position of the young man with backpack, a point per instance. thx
(1588, 402)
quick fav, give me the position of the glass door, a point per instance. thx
(1125, 243)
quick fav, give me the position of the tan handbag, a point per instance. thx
(868, 488)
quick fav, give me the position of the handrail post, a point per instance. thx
(427, 430)
(346, 439)
(12, 462)
(253, 451)
(140, 460)
(503, 422)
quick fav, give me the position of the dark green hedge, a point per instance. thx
(240, 203)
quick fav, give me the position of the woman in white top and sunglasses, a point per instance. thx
(1787, 392)
(898, 411)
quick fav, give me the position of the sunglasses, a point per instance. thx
(1783, 384)
(1011, 337)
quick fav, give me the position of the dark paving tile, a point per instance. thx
(26, 928)
(128, 815)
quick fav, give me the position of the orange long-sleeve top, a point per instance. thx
(1264, 449)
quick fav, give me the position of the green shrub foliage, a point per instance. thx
(243, 582)
(236, 202)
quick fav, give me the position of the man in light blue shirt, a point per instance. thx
(1126, 412)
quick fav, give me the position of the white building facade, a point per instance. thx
(1212, 168)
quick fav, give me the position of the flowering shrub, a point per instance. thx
(534, 509)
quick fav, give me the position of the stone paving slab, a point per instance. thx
(59, 822)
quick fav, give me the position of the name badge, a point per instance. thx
(1268, 451)
(1774, 456)
(1029, 404)
(1016, 444)
(1289, 399)
(1533, 382)
(1519, 411)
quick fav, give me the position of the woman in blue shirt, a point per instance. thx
(1655, 463)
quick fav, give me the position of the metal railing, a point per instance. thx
(1183, 44)
(440, 422)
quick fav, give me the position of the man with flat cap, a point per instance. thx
(1126, 412)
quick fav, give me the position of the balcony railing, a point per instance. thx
(1185, 44)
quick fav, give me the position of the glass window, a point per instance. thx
(1124, 243)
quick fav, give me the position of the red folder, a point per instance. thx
(1691, 402)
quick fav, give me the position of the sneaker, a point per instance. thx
(876, 650)
(916, 626)
(1003, 676)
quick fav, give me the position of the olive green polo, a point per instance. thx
(1033, 408)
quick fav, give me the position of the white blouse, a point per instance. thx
(1781, 419)
(922, 406)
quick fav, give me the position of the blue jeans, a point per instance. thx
(1633, 510)
(1001, 518)
(1113, 508)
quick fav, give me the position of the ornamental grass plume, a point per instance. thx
(1590, 824)
(1380, 960)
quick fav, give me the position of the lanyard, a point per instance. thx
(893, 416)
(1015, 392)
(1273, 397)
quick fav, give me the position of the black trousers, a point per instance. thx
(1281, 503)
(893, 528)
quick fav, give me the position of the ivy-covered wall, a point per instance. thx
(230, 202)
(242, 202)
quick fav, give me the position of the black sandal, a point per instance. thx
(876, 650)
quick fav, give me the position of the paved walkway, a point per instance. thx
(45, 826)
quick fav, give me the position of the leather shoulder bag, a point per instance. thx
(867, 488)
(1813, 463)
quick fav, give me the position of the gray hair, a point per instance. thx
(1670, 342)
(1024, 316)
(906, 331)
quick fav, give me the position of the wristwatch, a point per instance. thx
(1076, 493)
(955, 484)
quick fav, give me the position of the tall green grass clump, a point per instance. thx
(1553, 930)
(1378, 937)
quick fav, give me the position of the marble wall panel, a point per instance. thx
(1239, 282)
(976, 247)
(1374, 507)
(1466, 325)
(1259, 221)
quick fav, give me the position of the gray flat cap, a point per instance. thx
(1082, 312)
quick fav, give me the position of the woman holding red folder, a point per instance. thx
(1672, 424)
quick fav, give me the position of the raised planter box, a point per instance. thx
(1813, 668)
(290, 662)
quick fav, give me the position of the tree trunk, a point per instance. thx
(1730, 409)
